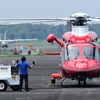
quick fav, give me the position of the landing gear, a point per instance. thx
(79, 82)
(63, 81)
(53, 81)
(85, 83)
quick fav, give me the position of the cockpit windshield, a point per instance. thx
(72, 52)
(89, 51)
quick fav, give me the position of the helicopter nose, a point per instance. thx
(81, 65)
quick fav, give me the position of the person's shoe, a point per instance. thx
(27, 90)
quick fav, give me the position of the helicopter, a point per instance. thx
(80, 50)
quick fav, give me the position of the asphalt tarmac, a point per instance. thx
(39, 83)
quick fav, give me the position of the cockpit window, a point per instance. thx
(72, 52)
(89, 51)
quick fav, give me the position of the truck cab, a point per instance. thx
(9, 76)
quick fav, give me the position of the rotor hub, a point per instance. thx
(80, 19)
(80, 15)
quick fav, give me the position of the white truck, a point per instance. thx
(9, 76)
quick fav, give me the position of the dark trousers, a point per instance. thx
(24, 77)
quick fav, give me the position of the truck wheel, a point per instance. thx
(15, 87)
(3, 86)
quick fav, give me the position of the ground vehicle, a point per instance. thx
(9, 77)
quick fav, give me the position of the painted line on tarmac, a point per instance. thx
(24, 92)
(22, 98)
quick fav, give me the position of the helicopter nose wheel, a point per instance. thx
(85, 83)
(53, 81)
(79, 83)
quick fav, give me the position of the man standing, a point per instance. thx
(23, 66)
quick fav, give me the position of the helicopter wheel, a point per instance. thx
(85, 83)
(79, 83)
(53, 81)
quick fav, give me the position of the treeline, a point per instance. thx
(39, 31)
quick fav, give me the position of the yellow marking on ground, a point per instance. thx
(52, 84)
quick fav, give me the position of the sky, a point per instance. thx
(47, 8)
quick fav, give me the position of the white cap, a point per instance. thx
(13, 62)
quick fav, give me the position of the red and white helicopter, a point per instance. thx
(80, 51)
(80, 54)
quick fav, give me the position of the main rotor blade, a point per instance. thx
(16, 23)
(31, 19)
(94, 19)
(52, 19)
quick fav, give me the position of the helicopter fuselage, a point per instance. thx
(80, 51)
(80, 60)
(79, 55)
